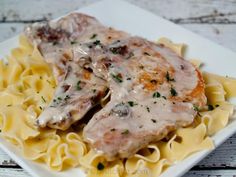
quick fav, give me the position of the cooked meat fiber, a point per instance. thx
(79, 89)
(153, 90)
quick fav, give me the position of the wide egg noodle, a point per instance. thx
(147, 162)
(26, 87)
(228, 83)
(218, 118)
(177, 48)
(182, 144)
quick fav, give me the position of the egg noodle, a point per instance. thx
(27, 86)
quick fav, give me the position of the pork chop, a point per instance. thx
(153, 91)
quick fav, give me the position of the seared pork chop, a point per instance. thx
(153, 92)
(79, 89)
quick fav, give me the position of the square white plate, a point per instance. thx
(127, 17)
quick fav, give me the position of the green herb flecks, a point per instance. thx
(73, 42)
(131, 103)
(94, 90)
(125, 132)
(131, 54)
(121, 50)
(210, 107)
(43, 99)
(67, 97)
(168, 78)
(117, 77)
(195, 108)
(48, 81)
(97, 42)
(156, 95)
(78, 87)
(55, 43)
(93, 36)
(173, 92)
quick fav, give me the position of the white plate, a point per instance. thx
(124, 16)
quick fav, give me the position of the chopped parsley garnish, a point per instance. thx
(117, 77)
(48, 81)
(93, 36)
(131, 103)
(173, 92)
(97, 42)
(168, 78)
(43, 99)
(195, 108)
(131, 54)
(73, 42)
(78, 87)
(156, 95)
(55, 43)
(20, 88)
(145, 53)
(67, 97)
(210, 107)
(40, 108)
(148, 109)
(113, 129)
(59, 98)
(100, 166)
(125, 132)
(121, 50)
(154, 120)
